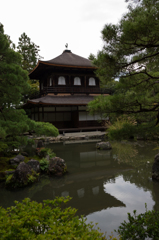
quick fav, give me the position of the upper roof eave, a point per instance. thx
(68, 60)
(58, 65)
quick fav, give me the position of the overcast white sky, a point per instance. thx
(53, 23)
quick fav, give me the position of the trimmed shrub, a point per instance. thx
(142, 226)
(48, 220)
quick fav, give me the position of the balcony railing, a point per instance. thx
(72, 90)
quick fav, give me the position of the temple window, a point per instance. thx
(61, 81)
(77, 81)
(92, 81)
(50, 82)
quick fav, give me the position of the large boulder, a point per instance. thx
(155, 168)
(16, 160)
(104, 146)
(57, 166)
(34, 164)
(22, 176)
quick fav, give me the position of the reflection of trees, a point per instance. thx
(137, 154)
(124, 151)
(140, 156)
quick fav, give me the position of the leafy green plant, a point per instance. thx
(122, 128)
(33, 177)
(44, 164)
(142, 226)
(8, 178)
(51, 153)
(47, 220)
(42, 152)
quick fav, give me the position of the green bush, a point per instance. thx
(142, 226)
(123, 128)
(44, 164)
(51, 153)
(42, 152)
(48, 220)
(45, 128)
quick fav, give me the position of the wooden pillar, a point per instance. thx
(85, 83)
(53, 80)
(69, 81)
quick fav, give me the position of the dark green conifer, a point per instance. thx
(131, 55)
(13, 86)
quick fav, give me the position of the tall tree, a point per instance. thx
(13, 85)
(30, 55)
(29, 52)
(131, 54)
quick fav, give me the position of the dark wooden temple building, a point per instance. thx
(67, 84)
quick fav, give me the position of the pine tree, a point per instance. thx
(131, 55)
(30, 55)
(29, 52)
(13, 86)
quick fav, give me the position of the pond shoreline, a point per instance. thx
(75, 136)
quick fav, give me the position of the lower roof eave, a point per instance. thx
(55, 100)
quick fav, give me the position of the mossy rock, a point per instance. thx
(22, 176)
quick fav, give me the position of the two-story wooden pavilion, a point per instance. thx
(67, 84)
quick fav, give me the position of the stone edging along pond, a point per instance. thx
(72, 136)
(56, 163)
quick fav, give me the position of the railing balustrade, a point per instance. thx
(95, 90)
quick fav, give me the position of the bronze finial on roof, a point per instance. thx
(66, 45)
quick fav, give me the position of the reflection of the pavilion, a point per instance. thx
(88, 169)
(87, 195)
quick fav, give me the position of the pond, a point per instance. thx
(104, 185)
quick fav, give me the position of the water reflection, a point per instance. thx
(124, 151)
(133, 198)
(104, 185)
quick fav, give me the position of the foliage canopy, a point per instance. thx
(13, 86)
(29, 52)
(131, 55)
(47, 220)
(142, 226)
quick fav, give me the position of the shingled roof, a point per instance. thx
(63, 100)
(66, 59)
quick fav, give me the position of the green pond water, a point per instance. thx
(104, 185)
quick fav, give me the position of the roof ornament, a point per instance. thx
(66, 45)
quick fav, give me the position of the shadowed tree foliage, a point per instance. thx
(131, 55)
(13, 86)
(30, 55)
(29, 52)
